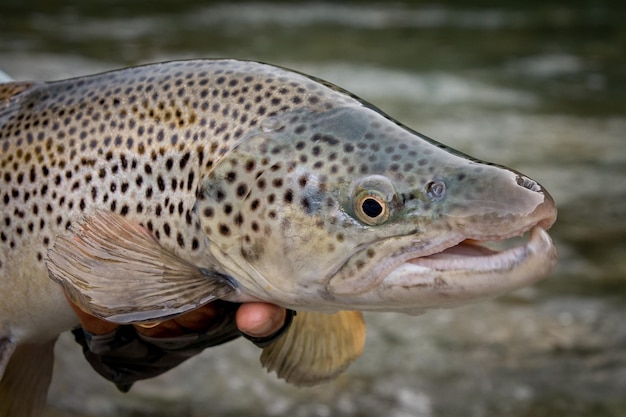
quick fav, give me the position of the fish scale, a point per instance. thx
(149, 191)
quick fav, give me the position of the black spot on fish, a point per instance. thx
(224, 230)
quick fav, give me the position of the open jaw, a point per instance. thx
(477, 256)
(468, 272)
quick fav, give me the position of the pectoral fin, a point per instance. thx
(317, 347)
(24, 385)
(115, 269)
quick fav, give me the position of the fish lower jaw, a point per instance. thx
(468, 272)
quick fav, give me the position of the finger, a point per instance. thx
(200, 319)
(168, 328)
(90, 323)
(260, 319)
(195, 321)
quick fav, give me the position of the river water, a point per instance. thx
(537, 86)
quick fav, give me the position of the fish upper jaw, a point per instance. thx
(508, 204)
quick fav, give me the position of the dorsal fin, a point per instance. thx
(8, 90)
(10, 96)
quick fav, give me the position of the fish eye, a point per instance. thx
(372, 209)
(374, 199)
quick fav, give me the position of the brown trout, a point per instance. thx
(147, 192)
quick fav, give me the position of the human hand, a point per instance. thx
(254, 319)
(124, 356)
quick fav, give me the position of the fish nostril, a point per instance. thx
(436, 189)
(527, 183)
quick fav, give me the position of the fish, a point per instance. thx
(146, 192)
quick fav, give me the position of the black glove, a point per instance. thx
(125, 356)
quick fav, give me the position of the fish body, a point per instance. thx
(242, 181)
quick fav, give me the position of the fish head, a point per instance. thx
(344, 208)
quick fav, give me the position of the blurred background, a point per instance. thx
(537, 85)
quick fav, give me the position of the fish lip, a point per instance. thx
(423, 283)
(411, 254)
(416, 259)
(473, 256)
(412, 284)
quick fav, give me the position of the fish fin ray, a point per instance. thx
(24, 385)
(115, 269)
(7, 347)
(11, 96)
(317, 347)
(12, 89)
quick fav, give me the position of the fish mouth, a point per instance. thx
(480, 255)
(468, 271)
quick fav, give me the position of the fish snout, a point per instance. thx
(499, 203)
(544, 213)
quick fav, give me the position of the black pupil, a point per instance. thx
(372, 208)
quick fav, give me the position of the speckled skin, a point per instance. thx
(250, 169)
(136, 142)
